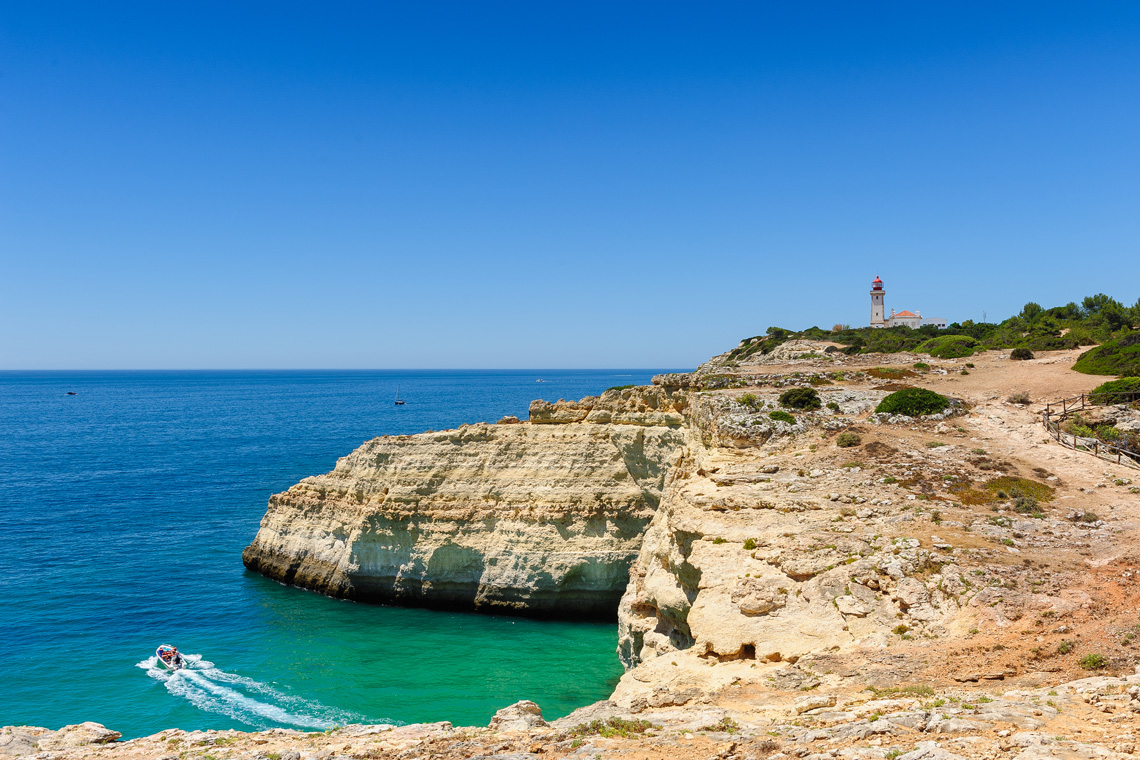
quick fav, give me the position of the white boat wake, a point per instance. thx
(243, 699)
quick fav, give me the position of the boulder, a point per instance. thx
(521, 716)
(559, 413)
(814, 702)
(79, 735)
(849, 605)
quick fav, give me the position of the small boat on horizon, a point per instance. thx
(169, 657)
(399, 401)
(72, 393)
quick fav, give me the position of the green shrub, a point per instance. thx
(950, 346)
(833, 406)
(921, 366)
(801, 398)
(970, 365)
(1116, 357)
(613, 727)
(913, 402)
(1108, 433)
(1076, 428)
(1093, 661)
(619, 387)
(781, 416)
(847, 440)
(1025, 505)
(1066, 646)
(1020, 354)
(749, 400)
(1113, 387)
(750, 543)
(725, 724)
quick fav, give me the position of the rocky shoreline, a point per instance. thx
(955, 585)
(1093, 717)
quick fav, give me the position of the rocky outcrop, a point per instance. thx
(16, 741)
(1090, 718)
(540, 519)
(696, 586)
(521, 716)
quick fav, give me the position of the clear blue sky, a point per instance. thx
(533, 184)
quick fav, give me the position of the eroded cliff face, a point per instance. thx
(743, 541)
(778, 555)
(541, 518)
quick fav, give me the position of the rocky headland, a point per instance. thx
(951, 585)
(541, 518)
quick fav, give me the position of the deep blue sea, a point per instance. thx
(123, 513)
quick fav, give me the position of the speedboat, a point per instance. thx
(169, 658)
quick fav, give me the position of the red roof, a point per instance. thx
(903, 314)
(878, 280)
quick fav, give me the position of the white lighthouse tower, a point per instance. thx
(877, 294)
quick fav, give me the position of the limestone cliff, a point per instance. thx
(745, 537)
(932, 537)
(927, 591)
(541, 518)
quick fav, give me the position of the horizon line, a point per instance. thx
(346, 369)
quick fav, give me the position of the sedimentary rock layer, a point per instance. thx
(535, 519)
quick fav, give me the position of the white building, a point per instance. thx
(905, 318)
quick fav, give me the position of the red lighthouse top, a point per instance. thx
(877, 284)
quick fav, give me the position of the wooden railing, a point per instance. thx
(1056, 412)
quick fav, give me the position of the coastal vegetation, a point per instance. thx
(1103, 430)
(1120, 356)
(950, 346)
(1098, 319)
(1106, 391)
(913, 402)
(611, 728)
(804, 399)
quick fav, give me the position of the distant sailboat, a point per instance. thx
(399, 401)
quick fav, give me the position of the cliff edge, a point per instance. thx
(541, 518)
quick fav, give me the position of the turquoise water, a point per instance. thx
(123, 513)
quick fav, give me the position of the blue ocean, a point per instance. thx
(123, 512)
